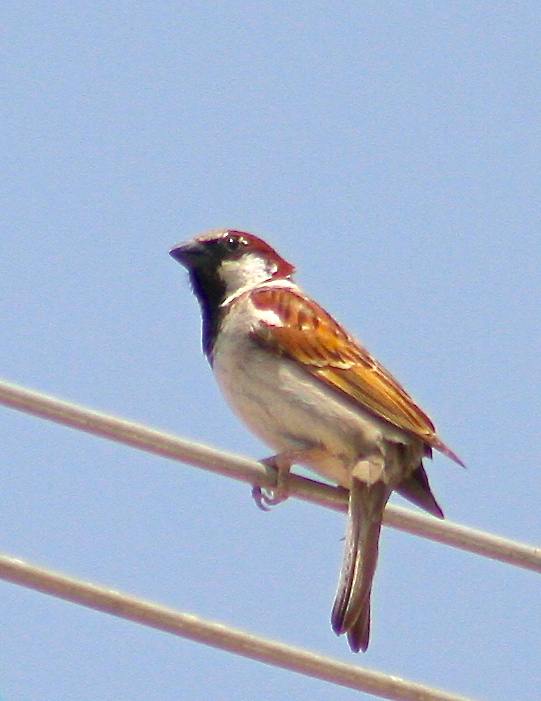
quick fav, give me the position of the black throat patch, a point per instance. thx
(210, 290)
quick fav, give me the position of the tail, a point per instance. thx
(351, 610)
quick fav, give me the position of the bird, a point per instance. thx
(309, 390)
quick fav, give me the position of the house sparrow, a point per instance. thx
(309, 390)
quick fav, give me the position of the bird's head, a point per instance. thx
(224, 261)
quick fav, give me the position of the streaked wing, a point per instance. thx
(308, 334)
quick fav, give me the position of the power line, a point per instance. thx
(212, 633)
(240, 468)
(217, 635)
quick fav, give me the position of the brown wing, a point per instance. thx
(312, 337)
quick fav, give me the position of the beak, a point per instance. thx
(189, 254)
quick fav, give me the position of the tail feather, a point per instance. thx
(359, 634)
(351, 610)
(349, 574)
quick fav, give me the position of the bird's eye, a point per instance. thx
(233, 243)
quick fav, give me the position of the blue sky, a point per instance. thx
(392, 151)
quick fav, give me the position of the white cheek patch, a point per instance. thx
(244, 272)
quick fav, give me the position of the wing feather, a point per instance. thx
(309, 335)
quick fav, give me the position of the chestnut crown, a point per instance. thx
(222, 262)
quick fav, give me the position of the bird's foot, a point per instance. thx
(267, 497)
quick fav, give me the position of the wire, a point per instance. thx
(240, 468)
(217, 635)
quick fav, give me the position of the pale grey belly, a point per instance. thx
(288, 409)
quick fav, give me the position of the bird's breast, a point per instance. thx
(287, 407)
